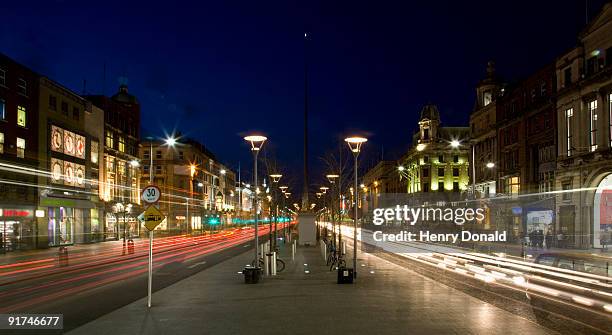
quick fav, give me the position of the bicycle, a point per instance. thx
(280, 264)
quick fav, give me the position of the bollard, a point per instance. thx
(273, 263)
(344, 248)
(267, 263)
(293, 251)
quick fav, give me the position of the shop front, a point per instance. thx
(68, 220)
(17, 228)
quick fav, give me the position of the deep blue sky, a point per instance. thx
(215, 69)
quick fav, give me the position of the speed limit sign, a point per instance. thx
(151, 194)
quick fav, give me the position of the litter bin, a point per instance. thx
(63, 256)
(345, 275)
(251, 275)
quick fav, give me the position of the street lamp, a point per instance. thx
(490, 165)
(355, 143)
(257, 142)
(275, 178)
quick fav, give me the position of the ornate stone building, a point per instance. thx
(584, 123)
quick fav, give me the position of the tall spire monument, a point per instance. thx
(305, 202)
(307, 228)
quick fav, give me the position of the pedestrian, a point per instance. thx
(548, 239)
(540, 239)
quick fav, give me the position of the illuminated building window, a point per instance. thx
(22, 87)
(487, 98)
(1, 143)
(95, 151)
(2, 109)
(21, 144)
(592, 106)
(513, 186)
(21, 116)
(121, 144)
(569, 113)
(109, 139)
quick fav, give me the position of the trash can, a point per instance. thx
(345, 275)
(63, 256)
(251, 275)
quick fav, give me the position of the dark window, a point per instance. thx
(145, 154)
(64, 108)
(145, 168)
(425, 134)
(440, 172)
(2, 77)
(52, 103)
(608, 57)
(455, 172)
(441, 158)
(455, 159)
(455, 186)
(425, 187)
(181, 156)
(75, 113)
(158, 154)
(425, 159)
(592, 65)
(158, 169)
(22, 87)
(440, 186)
(425, 172)
(567, 77)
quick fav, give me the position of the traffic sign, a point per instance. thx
(153, 217)
(151, 194)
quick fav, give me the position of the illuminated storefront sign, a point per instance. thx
(24, 213)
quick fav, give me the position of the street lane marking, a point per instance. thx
(196, 264)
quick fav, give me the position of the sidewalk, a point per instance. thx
(386, 299)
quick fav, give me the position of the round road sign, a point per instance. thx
(151, 194)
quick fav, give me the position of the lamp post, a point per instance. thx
(355, 143)
(331, 178)
(275, 179)
(257, 142)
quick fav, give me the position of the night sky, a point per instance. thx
(217, 69)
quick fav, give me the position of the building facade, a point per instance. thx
(18, 155)
(584, 123)
(438, 158)
(120, 172)
(483, 133)
(525, 167)
(383, 178)
(65, 195)
(198, 193)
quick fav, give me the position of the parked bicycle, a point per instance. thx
(280, 264)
